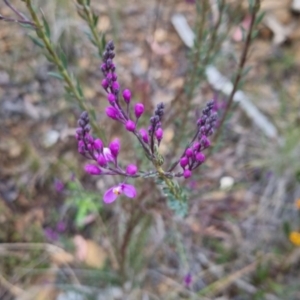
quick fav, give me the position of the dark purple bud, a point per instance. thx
(159, 134)
(98, 145)
(144, 135)
(109, 77)
(111, 55)
(187, 173)
(79, 131)
(114, 77)
(92, 170)
(138, 109)
(105, 83)
(103, 67)
(81, 123)
(112, 113)
(189, 152)
(131, 169)
(108, 63)
(87, 128)
(111, 98)
(188, 277)
(127, 95)
(81, 147)
(200, 157)
(113, 67)
(106, 55)
(196, 146)
(184, 161)
(89, 138)
(114, 147)
(110, 45)
(130, 125)
(61, 226)
(58, 185)
(84, 115)
(205, 141)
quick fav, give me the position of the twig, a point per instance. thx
(240, 69)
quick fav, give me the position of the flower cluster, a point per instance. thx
(115, 111)
(193, 155)
(106, 158)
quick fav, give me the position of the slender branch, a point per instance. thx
(40, 30)
(240, 68)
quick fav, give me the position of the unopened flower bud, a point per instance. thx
(114, 77)
(205, 141)
(101, 160)
(130, 125)
(98, 145)
(111, 98)
(144, 135)
(112, 113)
(115, 86)
(189, 152)
(105, 83)
(184, 162)
(114, 147)
(200, 157)
(131, 169)
(92, 170)
(187, 173)
(138, 109)
(159, 134)
(127, 95)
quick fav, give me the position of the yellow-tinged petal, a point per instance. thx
(295, 238)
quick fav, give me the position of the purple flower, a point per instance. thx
(144, 135)
(130, 125)
(159, 134)
(188, 280)
(184, 161)
(51, 234)
(112, 113)
(131, 169)
(58, 185)
(92, 170)
(187, 173)
(139, 110)
(61, 226)
(111, 98)
(127, 95)
(114, 147)
(112, 193)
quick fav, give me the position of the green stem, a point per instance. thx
(90, 20)
(40, 31)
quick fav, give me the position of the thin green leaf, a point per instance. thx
(55, 75)
(79, 89)
(63, 58)
(36, 41)
(95, 20)
(47, 28)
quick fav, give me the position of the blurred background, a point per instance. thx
(241, 237)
